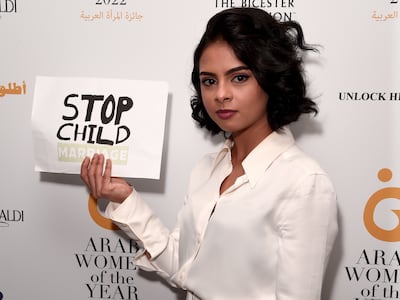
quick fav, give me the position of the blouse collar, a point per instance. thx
(262, 156)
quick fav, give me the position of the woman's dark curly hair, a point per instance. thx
(273, 52)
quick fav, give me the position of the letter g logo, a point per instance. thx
(97, 217)
(392, 235)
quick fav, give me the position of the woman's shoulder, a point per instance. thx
(298, 160)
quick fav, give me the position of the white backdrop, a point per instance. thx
(53, 246)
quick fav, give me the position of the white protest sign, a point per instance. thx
(77, 117)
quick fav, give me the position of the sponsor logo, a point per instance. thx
(108, 265)
(12, 88)
(282, 10)
(110, 2)
(111, 11)
(368, 96)
(375, 272)
(389, 13)
(97, 216)
(8, 216)
(8, 6)
(386, 235)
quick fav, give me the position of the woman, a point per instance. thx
(259, 218)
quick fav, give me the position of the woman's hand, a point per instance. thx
(102, 185)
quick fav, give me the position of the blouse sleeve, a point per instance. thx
(307, 229)
(141, 224)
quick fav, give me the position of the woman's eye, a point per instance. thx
(240, 78)
(208, 81)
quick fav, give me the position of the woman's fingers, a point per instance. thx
(84, 170)
(92, 175)
(98, 175)
(100, 182)
(107, 173)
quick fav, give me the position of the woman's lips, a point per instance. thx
(225, 113)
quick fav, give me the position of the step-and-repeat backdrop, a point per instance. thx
(55, 242)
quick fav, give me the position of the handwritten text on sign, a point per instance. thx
(77, 117)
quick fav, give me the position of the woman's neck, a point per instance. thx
(244, 143)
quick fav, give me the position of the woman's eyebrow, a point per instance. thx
(230, 71)
(236, 69)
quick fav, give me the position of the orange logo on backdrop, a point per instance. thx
(392, 235)
(98, 217)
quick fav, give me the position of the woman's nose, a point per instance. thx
(224, 93)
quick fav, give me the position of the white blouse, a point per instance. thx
(267, 237)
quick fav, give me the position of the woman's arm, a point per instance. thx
(158, 247)
(307, 229)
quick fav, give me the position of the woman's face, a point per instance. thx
(230, 92)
